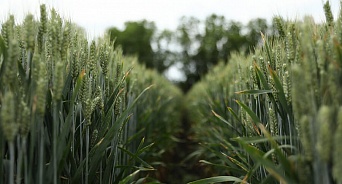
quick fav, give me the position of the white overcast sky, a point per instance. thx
(97, 15)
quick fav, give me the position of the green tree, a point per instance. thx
(136, 39)
(188, 35)
(235, 40)
(196, 45)
(164, 56)
(255, 27)
(216, 42)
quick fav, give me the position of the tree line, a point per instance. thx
(196, 45)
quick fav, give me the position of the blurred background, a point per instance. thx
(180, 39)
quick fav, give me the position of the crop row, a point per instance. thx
(275, 116)
(76, 111)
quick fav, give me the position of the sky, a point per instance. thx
(98, 15)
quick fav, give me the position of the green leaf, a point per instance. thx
(277, 171)
(267, 46)
(234, 114)
(258, 156)
(225, 160)
(98, 150)
(259, 139)
(141, 149)
(254, 92)
(238, 163)
(129, 178)
(109, 165)
(265, 84)
(218, 179)
(240, 171)
(64, 142)
(284, 162)
(262, 78)
(254, 117)
(226, 122)
(280, 90)
(135, 156)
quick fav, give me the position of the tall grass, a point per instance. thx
(274, 117)
(156, 116)
(69, 106)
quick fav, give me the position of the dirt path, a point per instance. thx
(179, 169)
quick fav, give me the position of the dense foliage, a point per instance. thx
(193, 48)
(74, 111)
(275, 116)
